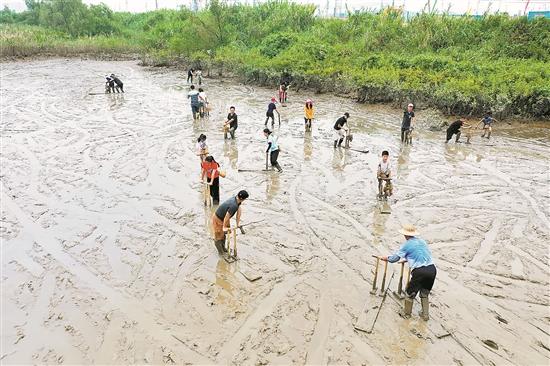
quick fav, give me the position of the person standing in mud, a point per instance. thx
(282, 92)
(384, 175)
(231, 123)
(272, 149)
(109, 85)
(308, 110)
(190, 74)
(408, 121)
(419, 258)
(119, 86)
(195, 104)
(340, 130)
(222, 217)
(487, 122)
(210, 170)
(271, 110)
(202, 148)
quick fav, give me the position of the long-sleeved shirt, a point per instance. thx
(415, 251)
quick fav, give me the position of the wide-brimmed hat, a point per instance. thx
(409, 230)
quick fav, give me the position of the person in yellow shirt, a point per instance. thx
(308, 114)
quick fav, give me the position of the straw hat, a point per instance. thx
(409, 230)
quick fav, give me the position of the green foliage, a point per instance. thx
(459, 64)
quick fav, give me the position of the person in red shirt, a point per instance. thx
(210, 169)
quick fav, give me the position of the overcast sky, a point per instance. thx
(455, 6)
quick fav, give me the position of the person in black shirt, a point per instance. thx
(119, 86)
(190, 74)
(408, 121)
(271, 109)
(340, 129)
(231, 124)
(454, 129)
(221, 219)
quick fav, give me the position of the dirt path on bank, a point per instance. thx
(106, 255)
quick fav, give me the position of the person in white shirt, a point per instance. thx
(201, 147)
(203, 102)
(272, 149)
(384, 175)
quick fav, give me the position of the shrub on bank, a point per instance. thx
(458, 64)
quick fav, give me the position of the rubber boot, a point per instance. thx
(425, 312)
(220, 246)
(340, 142)
(335, 143)
(407, 308)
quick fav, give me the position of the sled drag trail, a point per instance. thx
(106, 249)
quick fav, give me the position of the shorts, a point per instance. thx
(422, 281)
(194, 109)
(270, 115)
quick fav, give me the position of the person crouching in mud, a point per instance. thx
(221, 219)
(119, 86)
(455, 129)
(419, 259)
(272, 149)
(109, 85)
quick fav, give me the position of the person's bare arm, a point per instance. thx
(227, 222)
(238, 216)
(212, 179)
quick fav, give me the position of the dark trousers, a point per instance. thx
(451, 133)
(190, 79)
(268, 116)
(215, 191)
(403, 130)
(273, 158)
(422, 280)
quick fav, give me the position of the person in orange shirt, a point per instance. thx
(308, 110)
(210, 169)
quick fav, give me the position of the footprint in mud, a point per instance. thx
(490, 343)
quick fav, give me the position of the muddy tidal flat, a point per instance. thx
(106, 247)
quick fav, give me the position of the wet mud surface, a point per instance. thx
(106, 249)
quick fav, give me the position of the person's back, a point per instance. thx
(229, 206)
(340, 122)
(416, 252)
(309, 111)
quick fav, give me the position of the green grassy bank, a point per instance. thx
(457, 64)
